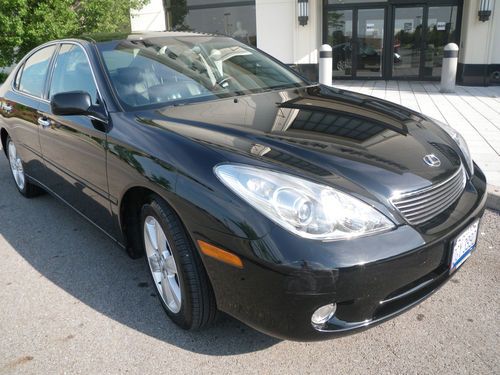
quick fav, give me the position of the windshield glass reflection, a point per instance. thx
(170, 70)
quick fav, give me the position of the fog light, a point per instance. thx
(324, 313)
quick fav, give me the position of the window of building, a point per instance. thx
(235, 18)
(342, 2)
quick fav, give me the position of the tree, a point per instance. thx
(24, 24)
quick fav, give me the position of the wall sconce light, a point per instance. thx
(303, 7)
(484, 10)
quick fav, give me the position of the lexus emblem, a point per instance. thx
(432, 160)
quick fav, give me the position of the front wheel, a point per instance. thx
(24, 186)
(180, 280)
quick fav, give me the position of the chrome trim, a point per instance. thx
(422, 205)
(430, 187)
(427, 197)
(29, 95)
(432, 160)
(43, 123)
(408, 292)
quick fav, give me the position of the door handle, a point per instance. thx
(44, 122)
(6, 107)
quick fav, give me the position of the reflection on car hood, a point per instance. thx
(329, 133)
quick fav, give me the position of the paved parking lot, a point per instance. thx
(71, 301)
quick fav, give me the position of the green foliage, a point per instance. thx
(3, 77)
(24, 24)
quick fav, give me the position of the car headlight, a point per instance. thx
(460, 141)
(305, 208)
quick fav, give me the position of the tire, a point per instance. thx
(176, 270)
(23, 184)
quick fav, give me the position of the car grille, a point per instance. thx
(422, 205)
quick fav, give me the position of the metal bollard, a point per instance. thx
(325, 65)
(449, 69)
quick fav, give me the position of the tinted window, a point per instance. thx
(166, 69)
(35, 71)
(72, 72)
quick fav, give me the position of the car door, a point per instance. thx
(18, 109)
(74, 147)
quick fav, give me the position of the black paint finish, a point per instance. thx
(359, 144)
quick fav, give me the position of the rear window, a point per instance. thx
(34, 73)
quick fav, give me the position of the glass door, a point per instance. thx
(390, 39)
(408, 41)
(340, 37)
(369, 42)
(441, 30)
(357, 39)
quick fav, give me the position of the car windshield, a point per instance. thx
(170, 70)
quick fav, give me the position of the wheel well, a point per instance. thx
(3, 138)
(130, 210)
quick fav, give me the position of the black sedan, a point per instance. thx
(302, 210)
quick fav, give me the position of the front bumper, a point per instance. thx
(370, 279)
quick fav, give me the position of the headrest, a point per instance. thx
(130, 75)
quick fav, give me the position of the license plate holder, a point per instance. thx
(463, 245)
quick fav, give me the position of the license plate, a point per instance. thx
(463, 245)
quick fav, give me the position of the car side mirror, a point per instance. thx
(75, 103)
(71, 103)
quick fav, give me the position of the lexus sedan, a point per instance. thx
(304, 211)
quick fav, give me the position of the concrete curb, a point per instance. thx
(493, 200)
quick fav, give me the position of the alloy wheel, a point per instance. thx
(162, 264)
(16, 166)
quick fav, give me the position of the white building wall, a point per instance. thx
(149, 18)
(274, 21)
(280, 35)
(480, 41)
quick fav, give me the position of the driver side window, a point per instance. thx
(72, 72)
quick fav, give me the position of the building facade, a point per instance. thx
(370, 39)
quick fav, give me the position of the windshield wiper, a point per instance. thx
(280, 87)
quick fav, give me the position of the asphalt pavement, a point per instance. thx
(71, 301)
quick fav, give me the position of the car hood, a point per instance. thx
(356, 141)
